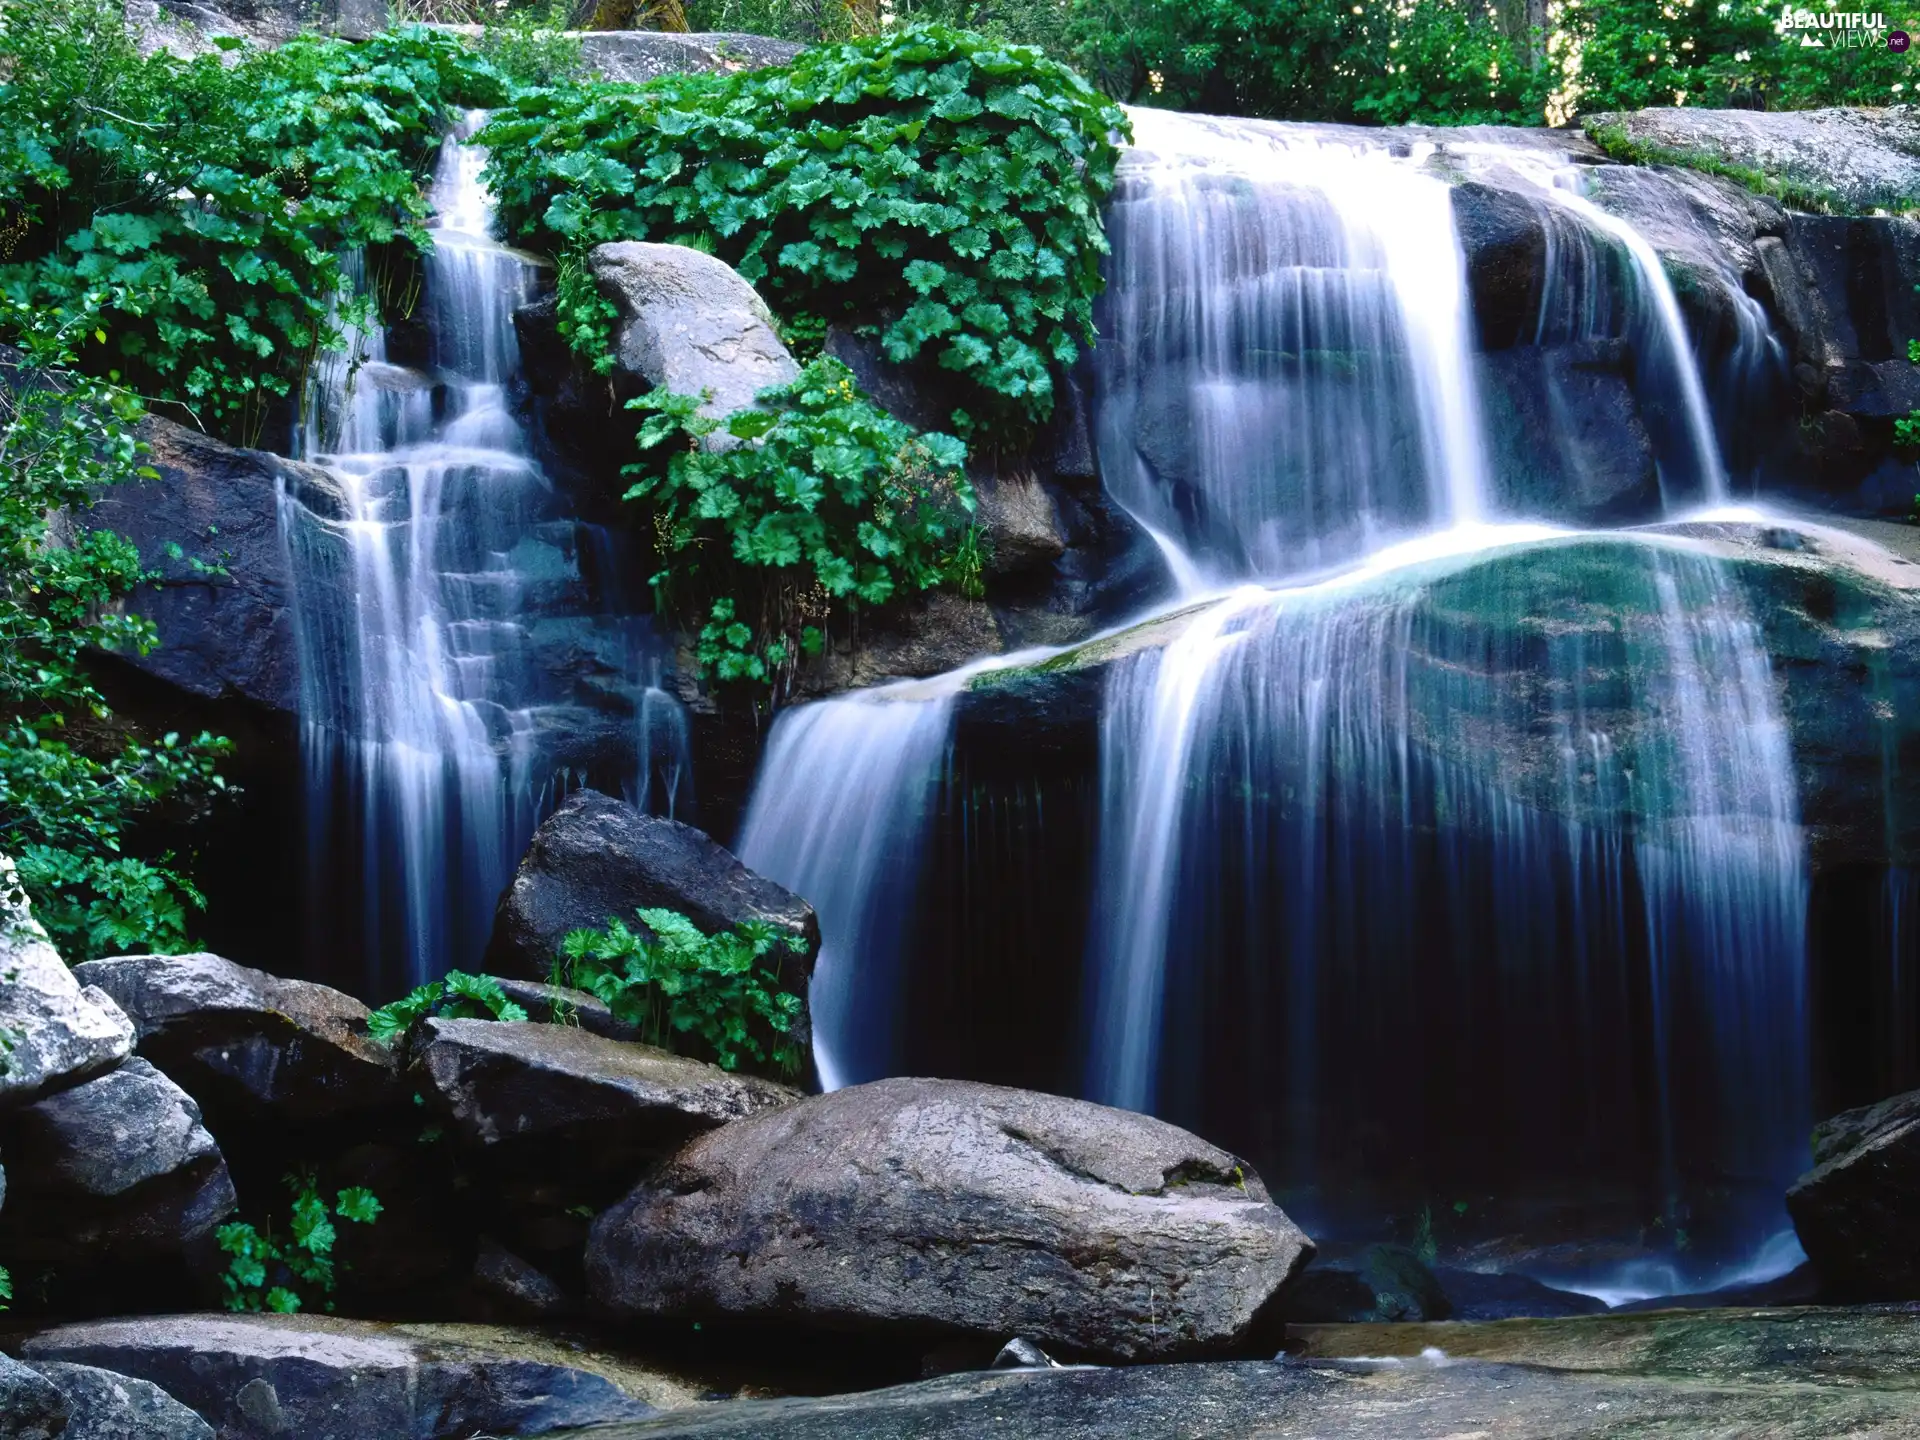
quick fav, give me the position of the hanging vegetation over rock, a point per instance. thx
(935, 187)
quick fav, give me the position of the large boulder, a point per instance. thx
(55, 1029)
(1857, 1210)
(597, 858)
(106, 1406)
(119, 1166)
(31, 1406)
(1860, 159)
(506, 1082)
(692, 323)
(955, 1208)
(246, 1041)
(272, 1377)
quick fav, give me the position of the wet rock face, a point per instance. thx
(246, 1041)
(106, 1406)
(1857, 1209)
(960, 1209)
(596, 858)
(261, 1377)
(31, 1406)
(56, 1031)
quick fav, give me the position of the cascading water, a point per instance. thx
(840, 819)
(427, 766)
(1285, 375)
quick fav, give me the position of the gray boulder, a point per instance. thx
(31, 1406)
(106, 1406)
(960, 1209)
(1863, 159)
(595, 858)
(641, 55)
(1857, 1210)
(690, 322)
(273, 1377)
(54, 1029)
(507, 1082)
(119, 1166)
(242, 1038)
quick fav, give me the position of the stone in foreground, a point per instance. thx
(502, 1082)
(597, 858)
(249, 1040)
(106, 1406)
(955, 1208)
(272, 1377)
(1858, 1209)
(55, 1031)
(31, 1406)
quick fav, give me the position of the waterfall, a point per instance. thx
(838, 816)
(417, 578)
(1285, 372)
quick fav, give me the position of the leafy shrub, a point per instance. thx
(73, 780)
(201, 206)
(458, 997)
(263, 1269)
(718, 990)
(823, 499)
(936, 185)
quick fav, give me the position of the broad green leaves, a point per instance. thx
(930, 185)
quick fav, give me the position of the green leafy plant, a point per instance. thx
(934, 187)
(202, 205)
(820, 499)
(458, 997)
(263, 1269)
(677, 984)
(6, 1287)
(74, 778)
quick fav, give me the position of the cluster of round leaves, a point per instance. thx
(938, 187)
(766, 520)
(205, 202)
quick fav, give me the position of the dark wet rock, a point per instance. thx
(245, 1040)
(273, 1377)
(106, 1406)
(520, 1289)
(503, 1082)
(954, 1208)
(223, 603)
(1857, 1210)
(1376, 1283)
(1021, 522)
(57, 1029)
(1565, 434)
(596, 858)
(117, 1167)
(691, 322)
(1484, 1295)
(1021, 1353)
(919, 394)
(1862, 158)
(547, 1004)
(32, 1407)
(1504, 238)
(1805, 1375)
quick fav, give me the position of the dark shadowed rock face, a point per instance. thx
(271, 1377)
(1379, 1282)
(596, 858)
(106, 1406)
(117, 1167)
(955, 1208)
(246, 1039)
(507, 1082)
(1857, 1211)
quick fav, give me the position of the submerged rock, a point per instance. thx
(106, 1406)
(955, 1208)
(1858, 1209)
(596, 858)
(56, 1031)
(271, 1377)
(241, 1038)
